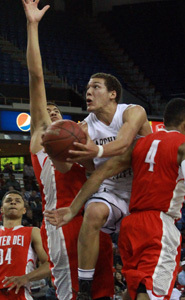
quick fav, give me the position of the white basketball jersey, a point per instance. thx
(102, 134)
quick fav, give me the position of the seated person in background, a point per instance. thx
(2, 181)
(12, 182)
(8, 168)
(181, 275)
(119, 282)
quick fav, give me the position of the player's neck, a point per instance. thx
(7, 223)
(106, 115)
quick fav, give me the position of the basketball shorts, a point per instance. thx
(118, 208)
(150, 247)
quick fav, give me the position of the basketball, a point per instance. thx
(59, 137)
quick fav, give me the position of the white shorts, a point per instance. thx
(118, 208)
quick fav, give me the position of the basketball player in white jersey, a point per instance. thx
(112, 127)
(19, 248)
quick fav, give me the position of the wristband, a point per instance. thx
(100, 151)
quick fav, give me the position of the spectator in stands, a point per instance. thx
(27, 219)
(12, 182)
(119, 282)
(8, 168)
(2, 186)
(176, 294)
(36, 207)
(183, 243)
(26, 194)
(30, 185)
(10, 188)
(181, 223)
(118, 265)
(33, 195)
(28, 173)
(2, 181)
(51, 294)
(181, 275)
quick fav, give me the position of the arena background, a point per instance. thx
(140, 42)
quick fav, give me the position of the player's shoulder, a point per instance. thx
(35, 233)
(35, 230)
(133, 108)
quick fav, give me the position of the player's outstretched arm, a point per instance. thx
(110, 168)
(135, 122)
(41, 272)
(38, 109)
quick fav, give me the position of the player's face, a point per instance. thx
(118, 276)
(97, 95)
(54, 113)
(13, 206)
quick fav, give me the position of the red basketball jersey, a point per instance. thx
(62, 186)
(158, 181)
(15, 251)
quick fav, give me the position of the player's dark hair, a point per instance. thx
(174, 113)
(12, 192)
(111, 82)
(52, 103)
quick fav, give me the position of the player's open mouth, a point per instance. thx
(88, 101)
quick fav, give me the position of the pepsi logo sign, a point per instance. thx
(23, 121)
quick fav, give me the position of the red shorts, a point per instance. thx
(150, 246)
(22, 295)
(61, 245)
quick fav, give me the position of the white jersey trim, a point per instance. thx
(163, 273)
(55, 238)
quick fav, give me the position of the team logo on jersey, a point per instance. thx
(23, 121)
(160, 126)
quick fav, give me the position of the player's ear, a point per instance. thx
(24, 210)
(182, 127)
(183, 124)
(113, 95)
(2, 211)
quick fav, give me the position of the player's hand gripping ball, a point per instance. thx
(59, 137)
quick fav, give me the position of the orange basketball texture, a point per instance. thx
(59, 137)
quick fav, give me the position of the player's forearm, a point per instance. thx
(110, 168)
(41, 272)
(116, 147)
(89, 188)
(124, 139)
(36, 78)
(93, 183)
(34, 61)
